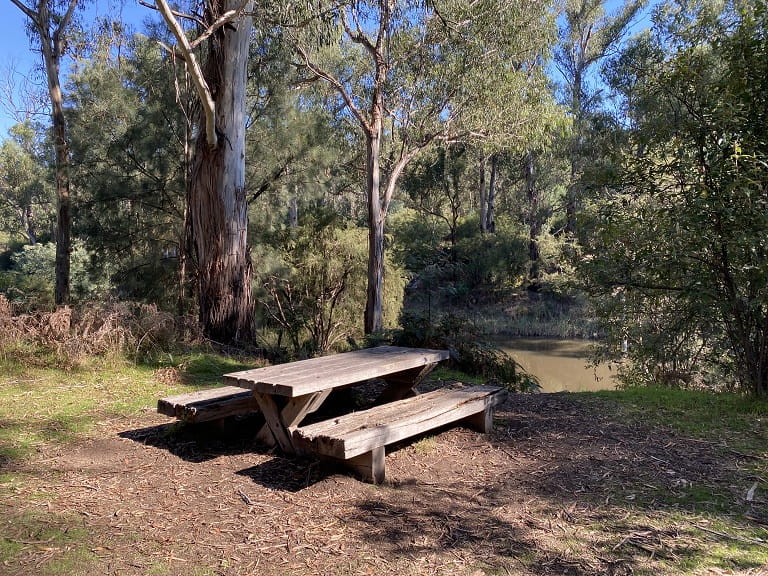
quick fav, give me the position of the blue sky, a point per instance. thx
(15, 53)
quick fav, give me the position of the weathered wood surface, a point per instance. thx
(209, 404)
(316, 374)
(355, 434)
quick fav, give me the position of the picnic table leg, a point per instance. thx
(369, 466)
(282, 420)
(401, 384)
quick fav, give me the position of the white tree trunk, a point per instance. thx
(217, 203)
(374, 305)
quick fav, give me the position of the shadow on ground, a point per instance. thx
(569, 488)
(203, 441)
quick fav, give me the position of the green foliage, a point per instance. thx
(417, 240)
(26, 196)
(469, 353)
(130, 141)
(499, 260)
(477, 265)
(558, 258)
(314, 295)
(678, 260)
(30, 281)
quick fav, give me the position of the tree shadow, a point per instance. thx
(288, 474)
(571, 488)
(203, 441)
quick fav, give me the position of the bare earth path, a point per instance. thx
(565, 485)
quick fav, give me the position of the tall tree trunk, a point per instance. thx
(217, 202)
(490, 216)
(572, 192)
(29, 224)
(482, 196)
(185, 100)
(51, 28)
(63, 199)
(374, 308)
(534, 219)
(293, 209)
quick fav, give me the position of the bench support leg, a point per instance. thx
(369, 466)
(402, 384)
(482, 421)
(281, 421)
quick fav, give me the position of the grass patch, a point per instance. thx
(739, 421)
(63, 548)
(425, 445)
(446, 374)
(42, 405)
(206, 369)
(701, 527)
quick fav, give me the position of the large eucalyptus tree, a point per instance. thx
(410, 74)
(217, 203)
(587, 35)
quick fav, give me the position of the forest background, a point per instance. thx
(424, 173)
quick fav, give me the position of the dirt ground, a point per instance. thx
(565, 484)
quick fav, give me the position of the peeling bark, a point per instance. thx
(217, 197)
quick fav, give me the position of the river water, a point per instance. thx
(559, 365)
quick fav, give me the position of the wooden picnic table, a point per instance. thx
(287, 393)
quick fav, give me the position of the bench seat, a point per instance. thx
(211, 404)
(359, 439)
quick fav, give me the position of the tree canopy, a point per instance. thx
(267, 167)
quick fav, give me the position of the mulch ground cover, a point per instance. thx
(566, 484)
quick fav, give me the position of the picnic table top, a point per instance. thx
(318, 374)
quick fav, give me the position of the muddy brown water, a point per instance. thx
(559, 365)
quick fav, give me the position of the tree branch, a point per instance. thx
(27, 11)
(222, 20)
(397, 170)
(337, 85)
(357, 36)
(176, 13)
(209, 106)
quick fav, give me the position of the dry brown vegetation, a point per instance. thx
(113, 327)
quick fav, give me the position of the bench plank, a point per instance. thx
(358, 433)
(210, 404)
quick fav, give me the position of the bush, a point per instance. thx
(315, 291)
(468, 352)
(418, 240)
(493, 260)
(31, 280)
(66, 335)
(478, 264)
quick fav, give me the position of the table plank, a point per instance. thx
(315, 374)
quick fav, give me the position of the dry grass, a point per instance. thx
(65, 336)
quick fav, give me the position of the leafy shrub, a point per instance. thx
(468, 352)
(418, 240)
(31, 279)
(478, 264)
(315, 291)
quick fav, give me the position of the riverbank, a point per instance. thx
(93, 481)
(521, 314)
